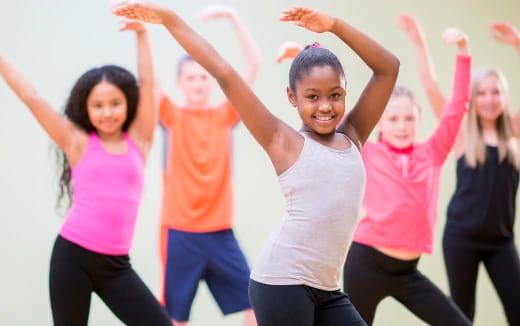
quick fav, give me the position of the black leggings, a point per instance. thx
(76, 272)
(301, 305)
(370, 276)
(463, 256)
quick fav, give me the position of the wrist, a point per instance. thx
(168, 17)
(334, 25)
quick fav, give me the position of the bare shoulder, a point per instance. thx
(352, 134)
(78, 144)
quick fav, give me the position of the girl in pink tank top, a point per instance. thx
(104, 139)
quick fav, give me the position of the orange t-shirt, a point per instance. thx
(197, 195)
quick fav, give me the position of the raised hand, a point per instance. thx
(411, 27)
(139, 10)
(288, 50)
(216, 11)
(130, 25)
(456, 36)
(506, 33)
(310, 19)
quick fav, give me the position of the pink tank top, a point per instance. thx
(107, 190)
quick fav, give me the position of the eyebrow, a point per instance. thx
(330, 89)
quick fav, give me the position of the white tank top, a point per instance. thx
(323, 191)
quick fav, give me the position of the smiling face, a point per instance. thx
(489, 98)
(107, 108)
(319, 96)
(195, 83)
(399, 121)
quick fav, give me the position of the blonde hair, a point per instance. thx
(475, 148)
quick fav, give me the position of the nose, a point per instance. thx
(106, 111)
(325, 106)
(401, 124)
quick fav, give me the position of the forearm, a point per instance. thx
(429, 79)
(380, 60)
(20, 86)
(144, 58)
(445, 134)
(249, 48)
(147, 115)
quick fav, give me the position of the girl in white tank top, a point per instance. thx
(295, 281)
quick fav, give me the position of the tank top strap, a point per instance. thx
(94, 141)
(132, 146)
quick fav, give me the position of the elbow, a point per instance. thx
(394, 66)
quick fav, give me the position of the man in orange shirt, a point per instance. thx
(196, 228)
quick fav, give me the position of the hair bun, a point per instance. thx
(314, 45)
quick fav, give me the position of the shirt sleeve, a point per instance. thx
(441, 141)
(166, 111)
(230, 115)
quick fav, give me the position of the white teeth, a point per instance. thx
(323, 118)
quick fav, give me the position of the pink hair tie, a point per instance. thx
(315, 45)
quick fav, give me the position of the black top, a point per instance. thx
(483, 205)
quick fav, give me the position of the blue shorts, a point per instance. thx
(211, 256)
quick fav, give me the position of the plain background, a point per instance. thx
(52, 42)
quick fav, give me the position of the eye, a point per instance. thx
(312, 97)
(335, 96)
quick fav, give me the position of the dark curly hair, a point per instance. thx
(76, 111)
(312, 56)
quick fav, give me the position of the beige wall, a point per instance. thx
(54, 41)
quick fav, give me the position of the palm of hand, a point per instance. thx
(408, 24)
(505, 33)
(312, 20)
(147, 14)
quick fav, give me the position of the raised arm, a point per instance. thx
(506, 33)
(288, 50)
(59, 128)
(385, 66)
(414, 31)
(143, 127)
(247, 43)
(449, 133)
(261, 123)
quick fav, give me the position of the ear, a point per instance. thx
(291, 96)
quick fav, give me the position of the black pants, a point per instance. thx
(76, 272)
(500, 257)
(301, 305)
(370, 276)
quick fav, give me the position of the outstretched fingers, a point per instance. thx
(310, 19)
(505, 32)
(141, 11)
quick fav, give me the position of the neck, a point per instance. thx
(488, 125)
(196, 104)
(308, 130)
(115, 136)
(402, 150)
